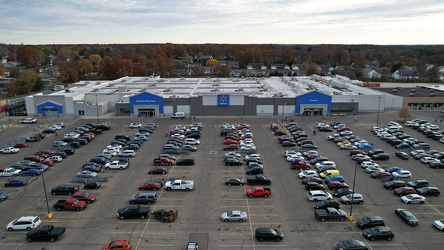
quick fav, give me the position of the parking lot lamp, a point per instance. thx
(379, 108)
(49, 215)
(350, 218)
(97, 110)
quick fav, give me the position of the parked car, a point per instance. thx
(234, 215)
(377, 233)
(407, 217)
(267, 233)
(413, 198)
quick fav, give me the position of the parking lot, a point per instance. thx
(199, 210)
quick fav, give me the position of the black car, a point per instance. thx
(378, 233)
(375, 151)
(394, 184)
(325, 129)
(312, 179)
(92, 185)
(327, 203)
(131, 147)
(288, 144)
(267, 233)
(185, 161)
(402, 155)
(61, 154)
(370, 221)
(94, 168)
(68, 150)
(341, 192)
(75, 144)
(436, 165)
(233, 162)
(428, 191)
(103, 126)
(407, 217)
(395, 142)
(49, 131)
(314, 186)
(351, 244)
(380, 157)
(234, 181)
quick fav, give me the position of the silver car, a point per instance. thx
(234, 215)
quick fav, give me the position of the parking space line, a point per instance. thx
(254, 246)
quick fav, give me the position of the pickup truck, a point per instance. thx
(179, 185)
(70, 204)
(116, 165)
(9, 150)
(258, 192)
(133, 211)
(28, 120)
(45, 232)
(8, 172)
(258, 180)
(163, 162)
(330, 213)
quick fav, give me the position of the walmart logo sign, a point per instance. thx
(223, 100)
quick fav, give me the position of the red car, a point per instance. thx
(117, 244)
(404, 191)
(21, 145)
(378, 175)
(300, 165)
(357, 151)
(242, 126)
(34, 158)
(86, 197)
(48, 163)
(229, 141)
(163, 162)
(333, 185)
(279, 132)
(150, 186)
(231, 147)
(91, 135)
(312, 156)
(47, 151)
(343, 129)
(158, 170)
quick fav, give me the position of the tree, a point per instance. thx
(125, 67)
(95, 60)
(212, 63)
(26, 81)
(405, 114)
(433, 73)
(107, 68)
(39, 85)
(2, 71)
(29, 56)
(311, 68)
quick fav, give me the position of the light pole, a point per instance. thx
(282, 110)
(49, 215)
(97, 110)
(379, 106)
(350, 218)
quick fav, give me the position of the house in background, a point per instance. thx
(405, 74)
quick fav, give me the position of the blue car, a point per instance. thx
(365, 146)
(393, 169)
(334, 178)
(16, 183)
(32, 172)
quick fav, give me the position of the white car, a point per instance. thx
(333, 136)
(192, 141)
(234, 154)
(127, 153)
(86, 174)
(114, 147)
(142, 133)
(345, 133)
(9, 150)
(178, 136)
(290, 152)
(244, 143)
(55, 158)
(360, 142)
(292, 157)
(252, 156)
(24, 223)
(318, 195)
(413, 198)
(110, 152)
(308, 173)
(135, 125)
(410, 123)
(142, 137)
(402, 174)
(234, 215)
(55, 127)
(439, 224)
(415, 152)
(248, 147)
(428, 160)
(310, 152)
(373, 169)
(366, 164)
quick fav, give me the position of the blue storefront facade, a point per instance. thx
(50, 109)
(146, 104)
(313, 103)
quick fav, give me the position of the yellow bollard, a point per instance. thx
(49, 216)
(350, 218)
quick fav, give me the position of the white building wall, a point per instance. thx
(211, 100)
(30, 106)
(183, 108)
(367, 103)
(168, 110)
(264, 110)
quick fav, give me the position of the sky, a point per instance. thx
(222, 21)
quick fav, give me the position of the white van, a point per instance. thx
(178, 115)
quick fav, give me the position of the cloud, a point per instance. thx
(33, 17)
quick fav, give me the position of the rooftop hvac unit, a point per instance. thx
(413, 90)
(94, 90)
(432, 93)
(394, 90)
(411, 94)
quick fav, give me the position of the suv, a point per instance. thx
(65, 189)
(24, 223)
(418, 184)
(127, 138)
(370, 221)
(327, 203)
(357, 198)
(143, 198)
(266, 233)
(185, 161)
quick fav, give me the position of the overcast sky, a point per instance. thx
(222, 21)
